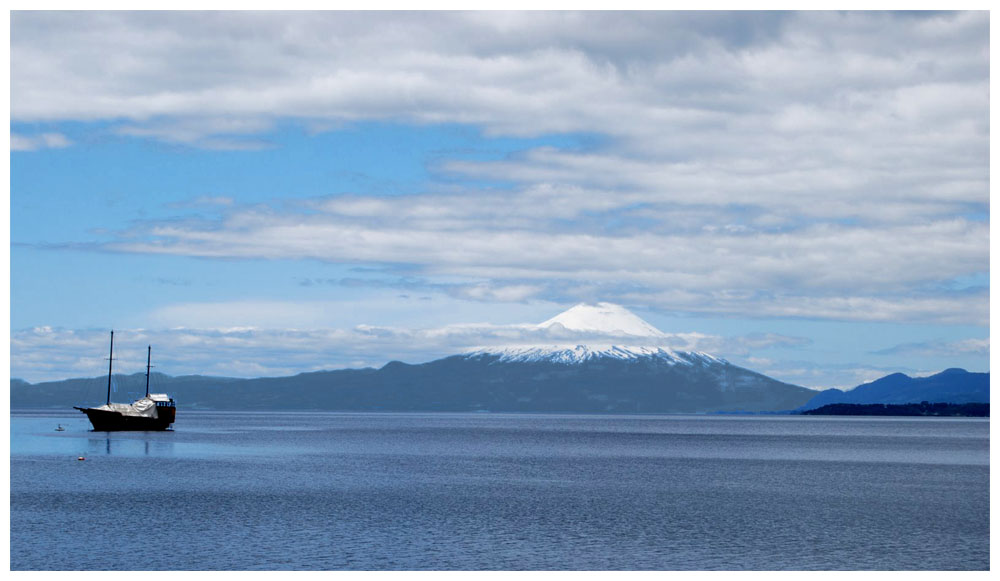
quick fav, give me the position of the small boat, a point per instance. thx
(155, 411)
(59, 428)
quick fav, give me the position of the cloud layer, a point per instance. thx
(46, 353)
(518, 243)
(816, 165)
(785, 164)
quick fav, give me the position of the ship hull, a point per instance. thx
(111, 421)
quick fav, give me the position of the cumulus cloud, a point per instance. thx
(816, 164)
(804, 112)
(679, 86)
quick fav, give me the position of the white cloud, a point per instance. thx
(503, 293)
(816, 164)
(525, 249)
(973, 346)
(35, 142)
(226, 133)
(204, 202)
(843, 376)
(690, 79)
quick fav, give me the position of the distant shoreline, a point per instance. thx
(976, 410)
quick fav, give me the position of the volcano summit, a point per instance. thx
(603, 330)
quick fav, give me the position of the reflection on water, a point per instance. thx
(35, 434)
(109, 446)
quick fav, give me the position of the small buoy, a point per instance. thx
(81, 458)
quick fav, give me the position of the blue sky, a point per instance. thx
(804, 194)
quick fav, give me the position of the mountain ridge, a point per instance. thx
(468, 383)
(601, 359)
(953, 385)
(483, 383)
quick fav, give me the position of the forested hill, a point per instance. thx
(910, 409)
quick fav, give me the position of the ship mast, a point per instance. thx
(110, 357)
(149, 352)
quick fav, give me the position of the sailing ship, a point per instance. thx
(155, 411)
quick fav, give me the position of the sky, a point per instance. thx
(264, 194)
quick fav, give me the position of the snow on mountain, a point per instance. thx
(605, 318)
(587, 332)
(578, 353)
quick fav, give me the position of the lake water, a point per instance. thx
(497, 491)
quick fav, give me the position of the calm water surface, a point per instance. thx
(498, 491)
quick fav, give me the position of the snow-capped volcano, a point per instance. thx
(590, 359)
(604, 358)
(587, 332)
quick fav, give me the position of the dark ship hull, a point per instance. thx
(112, 421)
(154, 412)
